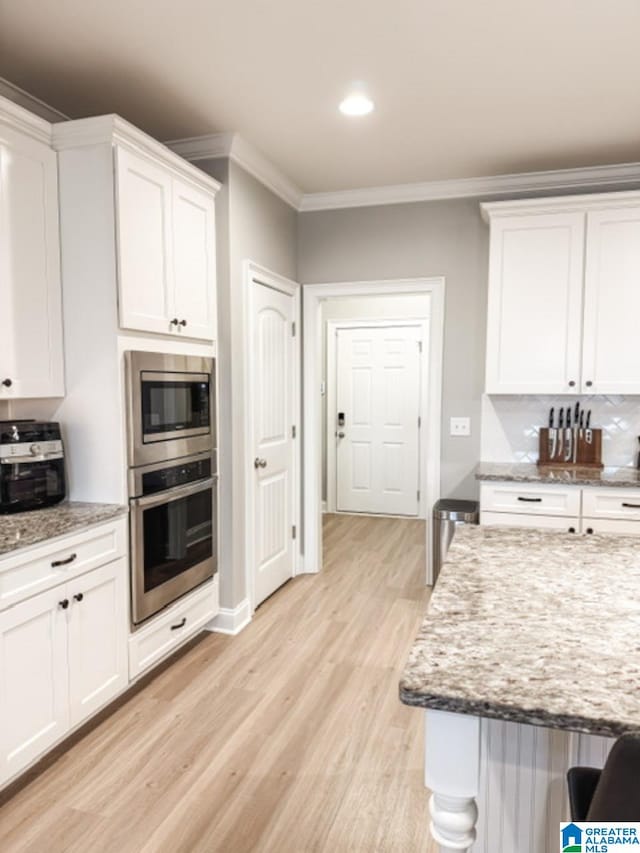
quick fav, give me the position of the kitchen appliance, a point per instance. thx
(32, 474)
(173, 530)
(170, 402)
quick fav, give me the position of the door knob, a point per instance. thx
(341, 434)
(7, 383)
(259, 463)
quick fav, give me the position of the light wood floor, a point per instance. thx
(287, 738)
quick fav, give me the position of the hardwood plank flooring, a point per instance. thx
(287, 738)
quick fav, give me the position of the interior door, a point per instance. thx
(377, 427)
(194, 260)
(273, 378)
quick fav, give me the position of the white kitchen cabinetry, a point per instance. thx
(163, 214)
(31, 356)
(63, 650)
(563, 295)
(576, 509)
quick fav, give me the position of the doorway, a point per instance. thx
(320, 427)
(375, 395)
(273, 409)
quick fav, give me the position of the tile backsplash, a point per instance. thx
(510, 426)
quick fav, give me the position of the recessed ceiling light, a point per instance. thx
(356, 104)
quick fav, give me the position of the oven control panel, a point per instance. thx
(176, 475)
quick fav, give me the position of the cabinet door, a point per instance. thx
(34, 711)
(145, 266)
(535, 304)
(98, 633)
(31, 358)
(611, 361)
(194, 260)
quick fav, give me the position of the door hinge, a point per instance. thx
(293, 330)
(293, 431)
(293, 532)
(419, 421)
(419, 346)
(418, 494)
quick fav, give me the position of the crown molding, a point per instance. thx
(29, 102)
(621, 175)
(26, 122)
(114, 130)
(236, 148)
(559, 204)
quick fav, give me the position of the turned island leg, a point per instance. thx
(452, 772)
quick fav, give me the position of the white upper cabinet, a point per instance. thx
(535, 293)
(564, 295)
(145, 286)
(611, 363)
(166, 250)
(31, 356)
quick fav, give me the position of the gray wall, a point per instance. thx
(253, 224)
(445, 238)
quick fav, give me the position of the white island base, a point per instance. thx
(500, 787)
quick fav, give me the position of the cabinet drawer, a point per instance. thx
(530, 499)
(611, 525)
(550, 522)
(611, 503)
(36, 569)
(171, 628)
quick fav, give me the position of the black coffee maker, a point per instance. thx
(32, 472)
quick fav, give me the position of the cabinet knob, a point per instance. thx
(572, 530)
(78, 596)
(7, 383)
(572, 384)
(174, 322)
(64, 603)
(183, 322)
(588, 383)
(589, 529)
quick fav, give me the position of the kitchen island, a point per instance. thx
(527, 663)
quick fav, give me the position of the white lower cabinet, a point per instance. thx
(63, 655)
(572, 508)
(34, 696)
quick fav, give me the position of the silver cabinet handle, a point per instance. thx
(259, 463)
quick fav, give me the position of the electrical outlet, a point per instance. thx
(460, 426)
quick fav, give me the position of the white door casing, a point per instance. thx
(272, 386)
(378, 392)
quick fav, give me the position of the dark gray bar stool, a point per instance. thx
(612, 793)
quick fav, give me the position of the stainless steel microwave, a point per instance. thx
(171, 406)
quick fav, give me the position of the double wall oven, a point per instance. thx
(172, 477)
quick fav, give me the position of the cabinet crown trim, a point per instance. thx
(21, 119)
(559, 204)
(114, 130)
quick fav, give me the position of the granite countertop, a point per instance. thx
(527, 473)
(23, 529)
(533, 626)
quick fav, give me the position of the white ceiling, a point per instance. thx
(462, 87)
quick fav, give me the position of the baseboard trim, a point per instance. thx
(231, 620)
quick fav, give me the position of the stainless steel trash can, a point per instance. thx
(447, 515)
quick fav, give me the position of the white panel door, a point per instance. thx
(611, 362)
(98, 631)
(34, 710)
(194, 260)
(31, 358)
(273, 377)
(145, 264)
(378, 392)
(534, 322)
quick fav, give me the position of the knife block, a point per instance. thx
(588, 454)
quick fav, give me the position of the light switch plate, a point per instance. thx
(460, 426)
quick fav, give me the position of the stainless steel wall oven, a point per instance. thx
(172, 477)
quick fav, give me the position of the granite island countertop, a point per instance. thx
(529, 473)
(534, 627)
(24, 529)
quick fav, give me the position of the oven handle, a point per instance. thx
(174, 494)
